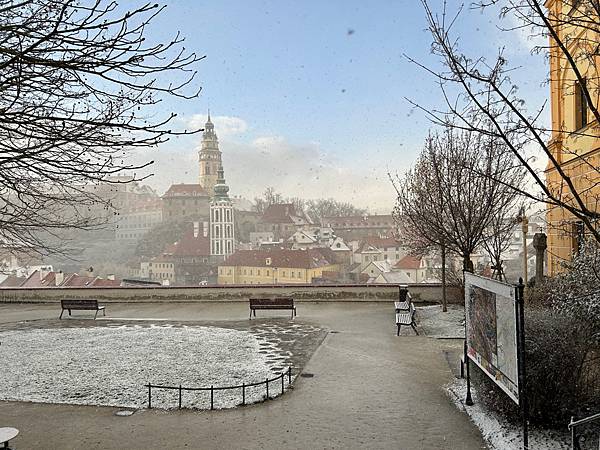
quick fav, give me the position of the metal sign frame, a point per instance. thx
(519, 393)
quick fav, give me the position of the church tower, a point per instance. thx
(209, 156)
(222, 239)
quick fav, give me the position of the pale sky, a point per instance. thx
(309, 97)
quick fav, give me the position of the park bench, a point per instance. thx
(272, 303)
(405, 310)
(81, 305)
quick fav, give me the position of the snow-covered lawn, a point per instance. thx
(442, 325)
(109, 366)
(499, 434)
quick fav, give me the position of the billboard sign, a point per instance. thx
(491, 330)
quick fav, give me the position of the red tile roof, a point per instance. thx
(300, 259)
(408, 262)
(12, 281)
(190, 245)
(283, 213)
(76, 280)
(377, 242)
(104, 282)
(186, 190)
(35, 280)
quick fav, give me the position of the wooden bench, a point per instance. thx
(272, 303)
(405, 310)
(82, 305)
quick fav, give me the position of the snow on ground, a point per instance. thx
(442, 325)
(499, 434)
(109, 366)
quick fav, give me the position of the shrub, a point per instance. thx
(562, 347)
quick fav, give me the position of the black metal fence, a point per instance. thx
(576, 427)
(268, 381)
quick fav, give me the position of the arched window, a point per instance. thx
(217, 231)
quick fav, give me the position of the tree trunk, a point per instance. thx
(444, 305)
(467, 263)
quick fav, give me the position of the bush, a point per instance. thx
(562, 347)
(562, 370)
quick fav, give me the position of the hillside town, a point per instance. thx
(211, 237)
(387, 237)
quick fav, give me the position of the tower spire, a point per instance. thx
(221, 189)
(209, 156)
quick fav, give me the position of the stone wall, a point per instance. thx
(365, 292)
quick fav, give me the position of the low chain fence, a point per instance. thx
(272, 386)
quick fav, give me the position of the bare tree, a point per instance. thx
(79, 82)
(328, 207)
(459, 184)
(314, 210)
(269, 197)
(496, 239)
(486, 90)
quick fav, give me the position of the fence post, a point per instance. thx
(282, 373)
(149, 396)
(267, 384)
(211, 397)
(290, 375)
(179, 396)
(243, 393)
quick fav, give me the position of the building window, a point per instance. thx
(581, 105)
(577, 237)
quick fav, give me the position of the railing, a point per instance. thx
(212, 389)
(575, 436)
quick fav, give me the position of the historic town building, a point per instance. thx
(575, 142)
(222, 235)
(209, 157)
(185, 203)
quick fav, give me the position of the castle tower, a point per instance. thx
(222, 238)
(209, 157)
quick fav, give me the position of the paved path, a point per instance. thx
(370, 390)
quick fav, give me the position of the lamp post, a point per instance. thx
(524, 229)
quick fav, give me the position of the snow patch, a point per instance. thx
(109, 366)
(499, 434)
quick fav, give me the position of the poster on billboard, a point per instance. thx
(491, 330)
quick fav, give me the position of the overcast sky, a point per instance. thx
(309, 97)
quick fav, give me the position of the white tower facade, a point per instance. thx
(222, 221)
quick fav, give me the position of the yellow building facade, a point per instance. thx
(575, 141)
(274, 267)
